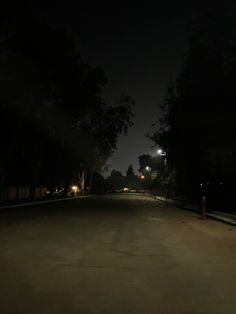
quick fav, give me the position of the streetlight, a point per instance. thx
(74, 188)
(162, 153)
(149, 170)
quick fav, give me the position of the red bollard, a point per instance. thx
(204, 207)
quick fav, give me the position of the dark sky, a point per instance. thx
(140, 47)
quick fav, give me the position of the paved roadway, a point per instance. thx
(116, 254)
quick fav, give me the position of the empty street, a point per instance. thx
(115, 254)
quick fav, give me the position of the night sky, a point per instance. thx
(140, 48)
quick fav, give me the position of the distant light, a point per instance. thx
(147, 168)
(142, 177)
(126, 189)
(160, 151)
(74, 188)
(201, 184)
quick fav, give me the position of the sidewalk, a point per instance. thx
(225, 217)
(221, 216)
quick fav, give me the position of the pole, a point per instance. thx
(204, 207)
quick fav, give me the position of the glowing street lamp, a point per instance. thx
(161, 153)
(74, 188)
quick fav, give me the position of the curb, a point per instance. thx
(42, 202)
(222, 219)
(227, 218)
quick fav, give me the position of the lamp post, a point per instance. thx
(142, 181)
(74, 189)
(149, 169)
(163, 154)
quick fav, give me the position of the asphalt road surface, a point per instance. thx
(116, 254)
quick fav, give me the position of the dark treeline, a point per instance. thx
(197, 127)
(116, 182)
(53, 121)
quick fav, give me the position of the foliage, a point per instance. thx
(145, 160)
(99, 184)
(130, 173)
(132, 180)
(52, 114)
(116, 181)
(197, 126)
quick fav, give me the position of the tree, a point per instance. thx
(197, 123)
(130, 173)
(131, 178)
(145, 160)
(103, 126)
(116, 181)
(53, 103)
(99, 184)
(153, 169)
(82, 180)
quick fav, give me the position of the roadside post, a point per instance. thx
(204, 207)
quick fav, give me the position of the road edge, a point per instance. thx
(225, 218)
(42, 202)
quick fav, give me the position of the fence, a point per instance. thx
(15, 193)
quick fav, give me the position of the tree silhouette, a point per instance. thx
(52, 114)
(197, 124)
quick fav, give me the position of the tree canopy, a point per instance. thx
(52, 116)
(197, 125)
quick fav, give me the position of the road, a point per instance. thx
(115, 254)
